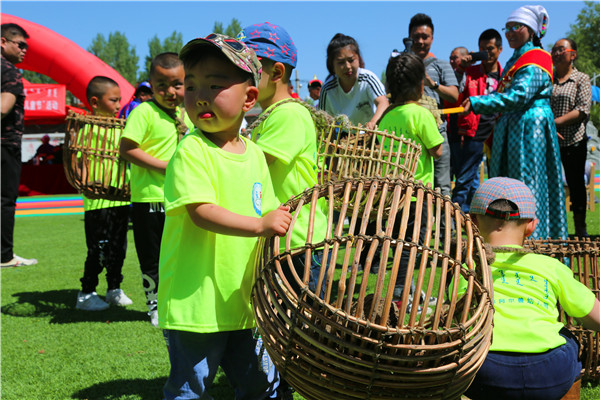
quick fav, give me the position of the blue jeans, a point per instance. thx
(466, 159)
(315, 269)
(527, 376)
(196, 357)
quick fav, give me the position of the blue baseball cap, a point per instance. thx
(504, 189)
(270, 41)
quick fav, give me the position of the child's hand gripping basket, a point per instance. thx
(582, 256)
(347, 151)
(340, 332)
(91, 157)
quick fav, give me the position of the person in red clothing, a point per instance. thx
(468, 136)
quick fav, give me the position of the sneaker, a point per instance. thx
(18, 262)
(118, 298)
(90, 302)
(153, 318)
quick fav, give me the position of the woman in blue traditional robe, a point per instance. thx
(525, 143)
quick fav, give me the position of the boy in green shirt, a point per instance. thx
(532, 355)
(149, 139)
(105, 221)
(217, 192)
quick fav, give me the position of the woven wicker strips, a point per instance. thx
(348, 337)
(582, 256)
(91, 157)
(347, 151)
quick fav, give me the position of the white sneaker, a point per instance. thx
(18, 262)
(90, 302)
(118, 298)
(153, 318)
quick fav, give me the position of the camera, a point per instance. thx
(479, 56)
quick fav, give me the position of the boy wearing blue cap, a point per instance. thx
(217, 192)
(532, 355)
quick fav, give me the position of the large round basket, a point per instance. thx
(91, 157)
(349, 336)
(582, 256)
(347, 151)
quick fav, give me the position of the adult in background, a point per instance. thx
(525, 144)
(471, 131)
(14, 47)
(440, 84)
(571, 102)
(456, 61)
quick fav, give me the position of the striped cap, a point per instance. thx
(507, 189)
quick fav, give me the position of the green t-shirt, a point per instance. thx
(206, 278)
(526, 290)
(155, 133)
(99, 166)
(417, 123)
(288, 134)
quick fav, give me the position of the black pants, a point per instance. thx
(11, 176)
(106, 239)
(573, 160)
(148, 223)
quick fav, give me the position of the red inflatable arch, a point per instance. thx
(64, 61)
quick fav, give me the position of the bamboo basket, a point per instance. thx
(355, 340)
(582, 256)
(347, 151)
(91, 157)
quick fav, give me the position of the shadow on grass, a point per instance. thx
(146, 389)
(60, 306)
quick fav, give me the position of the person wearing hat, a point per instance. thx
(525, 143)
(218, 200)
(314, 89)
(532, 355)
(142, 93)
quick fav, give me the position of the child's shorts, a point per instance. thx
(196, 357)
(528, 376)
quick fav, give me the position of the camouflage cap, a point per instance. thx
(237, 52)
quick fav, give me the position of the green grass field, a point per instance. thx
(50, 351)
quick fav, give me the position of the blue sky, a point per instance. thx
(377, 26)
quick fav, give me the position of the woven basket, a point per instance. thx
(91, 157)
(582, 256)
(354, 341)
(346, 151)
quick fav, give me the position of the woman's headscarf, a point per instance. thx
(535, 17)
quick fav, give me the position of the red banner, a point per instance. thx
(44, 103)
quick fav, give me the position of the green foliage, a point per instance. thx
(585, 33)
(173, 43)
(234, 27)
(117, 52)
(36, 77)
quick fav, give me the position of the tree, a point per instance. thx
(36, 77)
(117, 53)
(234, 27)
(585, 34)
(173, 43)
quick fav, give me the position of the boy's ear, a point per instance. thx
(277, 72)
(251, 98)
(94, 101)
(531, 227)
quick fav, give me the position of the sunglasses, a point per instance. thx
(231, 43)
(513, 28)
(21, 45)
(561, 50)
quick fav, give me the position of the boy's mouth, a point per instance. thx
(205, 115)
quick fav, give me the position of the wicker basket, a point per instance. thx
(347, 151)
(354, 340)
(582, 256)
(91, 157)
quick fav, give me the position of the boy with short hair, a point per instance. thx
(105, 221)
(286, 134)
(532, 355)
(149, 139)
(217, 190)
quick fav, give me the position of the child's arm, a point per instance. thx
(382, 104)
(435, 151)
(592, 320)
(214, 218)
(130, 151)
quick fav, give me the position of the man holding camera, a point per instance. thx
(467, 139)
